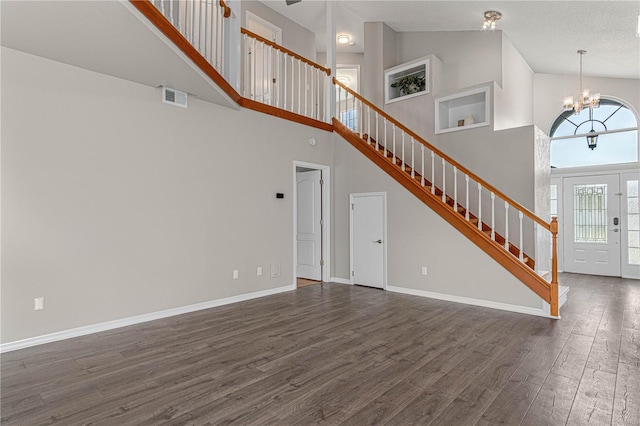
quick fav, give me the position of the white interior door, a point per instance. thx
(592, 225)
(309, 224)
(368, 225)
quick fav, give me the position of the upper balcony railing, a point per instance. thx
(202, 23)
(278, 77)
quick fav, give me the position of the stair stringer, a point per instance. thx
(511, 263)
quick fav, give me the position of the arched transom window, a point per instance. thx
(597, 136)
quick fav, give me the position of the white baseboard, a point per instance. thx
(339, 280)
(470, 301)
(110, 325)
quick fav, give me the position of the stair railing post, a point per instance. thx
(553, 227)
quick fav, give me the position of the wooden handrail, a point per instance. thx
(510, 262)
(460, 167)
(285, 50)
(227, 9)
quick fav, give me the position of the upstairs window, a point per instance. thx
(614, 125)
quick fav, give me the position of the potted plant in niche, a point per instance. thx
(411, 83)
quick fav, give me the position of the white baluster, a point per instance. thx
(212, 58)
(199, 25)
(360, 120)
(193, 23)
(384, 134)
(276, 86)
(521, 257)
(313, 92)
(455, 189)
(377, 124)
(506, 226)
(171, 12)
(162, 8)
(254, 72)
(206, 31)
(293, 82)
(269, 85)
(393, 142)
(422, 148)
(299, 88)
(479, 206)
(338, 112)
(262, 74)
(246, 65)
(403, 157)
(466, 199)
(305, 88)
(444, 180)
(284, 81)
(369, 121)
(318, 94)
(493, 217)
(413, 164)
(433, 173)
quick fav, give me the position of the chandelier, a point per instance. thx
(490, 19)
(584, 99)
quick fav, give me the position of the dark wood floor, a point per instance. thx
(336, 354)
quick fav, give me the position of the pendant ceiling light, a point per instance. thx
(584, 99)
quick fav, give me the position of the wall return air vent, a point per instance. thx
(174, 97)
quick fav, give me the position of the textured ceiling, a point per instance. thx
(547, 33)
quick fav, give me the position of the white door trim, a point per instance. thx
(384, 234)
(326, 217)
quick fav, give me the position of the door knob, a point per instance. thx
(378, 241)
(615, 230)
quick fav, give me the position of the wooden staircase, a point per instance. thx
(461, 210)
(546, 288)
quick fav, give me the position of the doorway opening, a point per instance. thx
(310, 223)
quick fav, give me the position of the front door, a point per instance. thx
(368, 239)
(592, 225)
(309, 224)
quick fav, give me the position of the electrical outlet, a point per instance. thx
(38, 303)
(275, 270)
(259, 271)
(235, 274)
(424, 270)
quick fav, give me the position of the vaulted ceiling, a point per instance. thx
(547, 33)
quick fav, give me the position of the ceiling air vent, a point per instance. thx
(174, 97)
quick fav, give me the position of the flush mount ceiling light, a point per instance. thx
(490, 19)
(585, 99)
(343, 39)
(344, 80)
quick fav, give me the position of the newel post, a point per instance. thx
(553, 227)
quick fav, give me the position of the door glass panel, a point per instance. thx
(633, 221)
(590, 213)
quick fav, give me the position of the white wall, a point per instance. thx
(514, 100)
(115, 204)
(380, 53)
(295, 37)
(469, 57)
